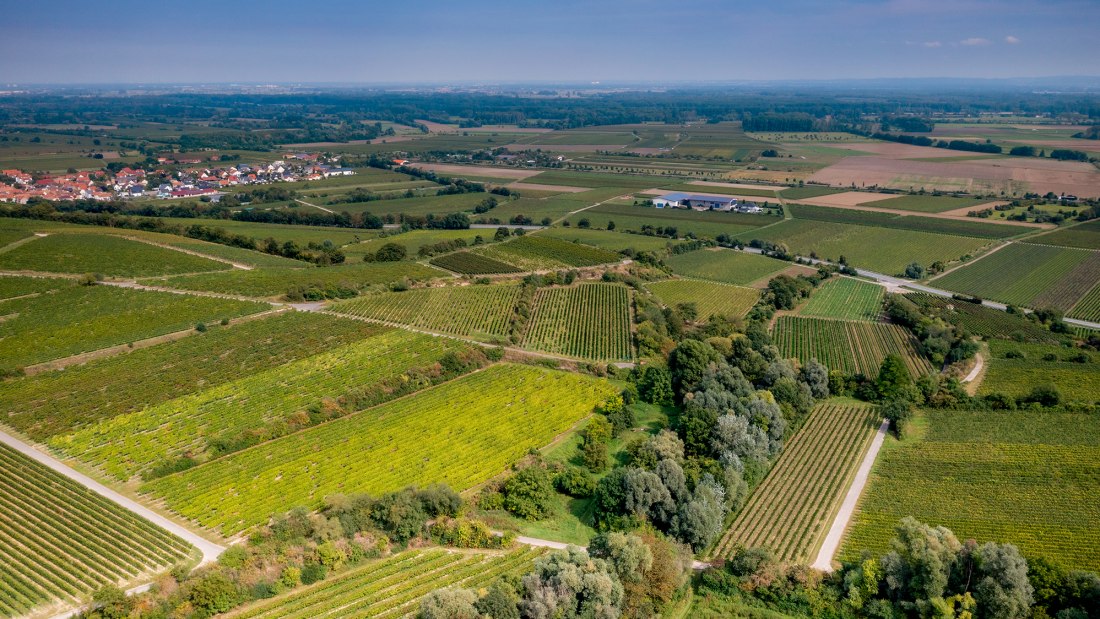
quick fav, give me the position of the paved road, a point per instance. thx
(848, 507)
(210, 550)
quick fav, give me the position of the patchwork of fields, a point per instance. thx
(990, 474)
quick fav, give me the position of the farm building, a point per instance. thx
(705, 202)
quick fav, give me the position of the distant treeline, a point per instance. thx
(920, 140)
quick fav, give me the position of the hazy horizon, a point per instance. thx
(569, 42)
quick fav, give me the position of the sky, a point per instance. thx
(522, 41)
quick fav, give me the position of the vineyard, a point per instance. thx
(1083, 236)
(792, 510)
(709, 298)
(460, 433)
(926, 203)
(470, 311)
(392, 587)
(976, 228)
(847, 299)
(268, 403)
(1076, 381)
(85, 318)
(609, 240)
(534, 253)
(852, 347)
(98, 253)
(731, 267)
(469, 263)
(60, 541)
(589, 320)
(1023, 274)
(273, 282)
(1088, 308)
(879, 249)
(991, 475)
(981, 320)
(53, 403)
(11, 287)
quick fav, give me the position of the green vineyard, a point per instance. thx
(846, 299)
(53, 403)
(1076, 380)
(460, 433)
(981, 320)
(731, 267)
(275, 282)
(470, 311)
(110, 255)
(532, 253)
(469, 263)
(791, 511)
(392, 587)
(1088, 308)
(852, 347)
(991, 475)
(590, 320)
(710, 298)
(12, 287)
(86, 318)
(60, 541)
(272, 400)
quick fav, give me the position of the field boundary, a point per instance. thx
(843, 518)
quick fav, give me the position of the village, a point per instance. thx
(19, 186)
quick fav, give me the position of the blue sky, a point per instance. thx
(551, 40)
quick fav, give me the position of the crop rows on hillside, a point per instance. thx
(1088, 308)
(392, 587)
(53, 403)
(81, 319)
(1075, 373)
(277, 281)
(938, 225)
(461, 310)
(731, 267)
(852, 347)
(1084, 236)
(1020, 477)
(12, 287)
(60, 541)
(847, 299)
(460, 433)
(110, 255)
(709, 298)
(792, 510)
(981, 320)
(532, 253)
(1025, 274)
(590, 320)
(269, 402)
(469, 263)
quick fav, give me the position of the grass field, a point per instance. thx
(852, 347)
(1025, 274)
(720, 265)
(263, 404)
(1077, 382)
(60, 541)
(847, 299)
(709, 298)
(879, 249)
(926, 204)
(276, 282)
(392, 587)
(532, 253)
(460, 433)
(81, 319)
(706, 224)
(1027, 478)
(612, 241)
(109, 255)
(590, 320)
(791, 511)
(483, 312)
(53, 403)
(984, 321)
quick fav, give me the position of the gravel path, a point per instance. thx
(210, 551)
(848, 507)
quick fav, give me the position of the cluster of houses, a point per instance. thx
(705, 202)
(182, 183)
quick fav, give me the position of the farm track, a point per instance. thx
(210, 550)
(190, 252)
(17, 243)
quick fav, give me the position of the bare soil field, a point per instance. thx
(437, 127)
(538, 187)
(737, 185)
(474, 170)
(849, 198)
(1010, 175)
